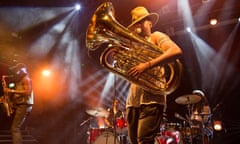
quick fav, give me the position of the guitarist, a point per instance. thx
(22, 98)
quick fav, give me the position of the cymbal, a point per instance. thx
(188, 99)
(98, 112)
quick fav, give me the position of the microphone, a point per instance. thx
(85, 121)
(216, 107)
(179, 116)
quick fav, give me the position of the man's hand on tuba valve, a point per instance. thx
(138, 69)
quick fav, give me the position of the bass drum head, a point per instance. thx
(106, 138)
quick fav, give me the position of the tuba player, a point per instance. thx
(144, 110)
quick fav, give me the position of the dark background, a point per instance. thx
(61, 101)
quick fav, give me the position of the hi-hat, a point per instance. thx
(188, 99)
(98, 112)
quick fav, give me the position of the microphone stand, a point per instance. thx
(89, 127)
(114, 114)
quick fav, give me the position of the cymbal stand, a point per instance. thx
(189, 108)
(164, 116)
(202, 128)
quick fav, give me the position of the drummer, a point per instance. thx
(114, 114)
(201, 110)
(201, 119)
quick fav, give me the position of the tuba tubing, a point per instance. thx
(117, 49)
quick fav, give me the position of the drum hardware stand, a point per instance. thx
(164, 116)
(115, 129)
(114, 113)
(85, 121)
(202, 127)
(107, 138)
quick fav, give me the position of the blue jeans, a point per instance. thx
(21, 113)
(144, 123)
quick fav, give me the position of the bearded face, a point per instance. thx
(19, 74)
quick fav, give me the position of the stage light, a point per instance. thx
(217, 125)
(213, 21)
(77, 7)
(46, 73)
(239, 19)
(188, 29)
(11, 85)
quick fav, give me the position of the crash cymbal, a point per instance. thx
(98, 112)
(188, 99)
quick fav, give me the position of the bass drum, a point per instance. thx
(93, 133)
(169, 139)
(106, 138)
(170, 134)
(164, 140)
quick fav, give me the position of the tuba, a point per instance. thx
(118, 49)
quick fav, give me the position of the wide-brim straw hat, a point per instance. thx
(139, 13)
(17, 67)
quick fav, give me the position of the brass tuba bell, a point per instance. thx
(118, 50)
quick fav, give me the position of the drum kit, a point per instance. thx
(193, 129)
(107, 135)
